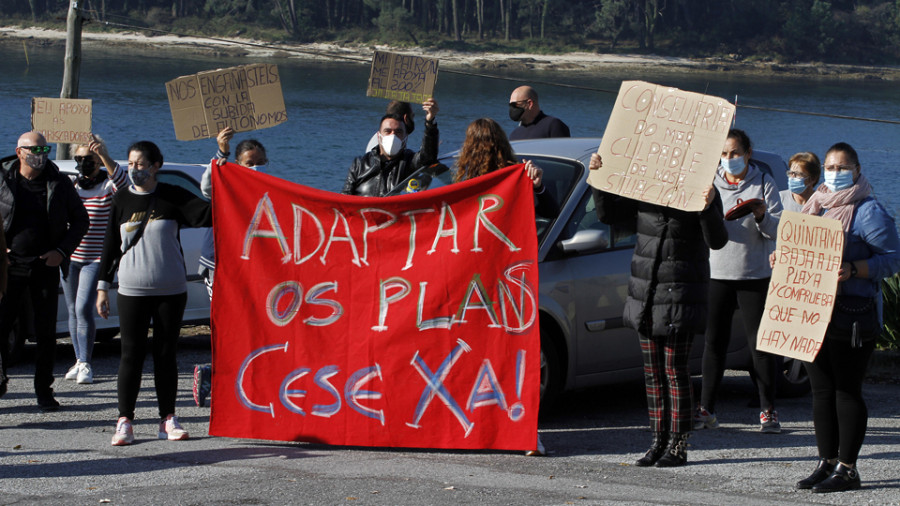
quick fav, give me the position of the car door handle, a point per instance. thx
(607, 324)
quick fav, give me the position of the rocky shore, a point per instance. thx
(142, 42)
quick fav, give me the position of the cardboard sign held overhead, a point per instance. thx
(662, 145)
(245, 98)
(402, 77)
(802, 289)
(62, 120)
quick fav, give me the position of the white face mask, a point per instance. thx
(391, 144)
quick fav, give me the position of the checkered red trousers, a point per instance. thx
(668, 381)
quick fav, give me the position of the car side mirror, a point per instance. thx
(585, 241)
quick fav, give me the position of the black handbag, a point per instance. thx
(854, 319)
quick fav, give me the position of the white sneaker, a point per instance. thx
(124, 433)
(73, 371)
(170, 429)
(85, 374)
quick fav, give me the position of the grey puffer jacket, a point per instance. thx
(365, 177)
(668, 288)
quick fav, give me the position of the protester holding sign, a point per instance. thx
(96, 188)
(803, 176)
(666, 305)
(487, 149)
(142, 244)
(249, 153)
(384, 167)
(739, 276)
(871, 253)
(402, 109)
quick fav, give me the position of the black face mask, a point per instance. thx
(86, 167)
(515, 113)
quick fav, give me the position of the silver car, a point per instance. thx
(584, 271)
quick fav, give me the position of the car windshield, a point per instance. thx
(560, 176)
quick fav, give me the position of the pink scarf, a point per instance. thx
(838, 205)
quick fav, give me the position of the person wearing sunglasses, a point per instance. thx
(533, 123)
(98, 179)
(44, 221)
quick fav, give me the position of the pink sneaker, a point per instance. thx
(170, 429)
(124, 433)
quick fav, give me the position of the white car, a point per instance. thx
(197, 310)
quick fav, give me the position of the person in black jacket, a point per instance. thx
(43, 221)
(381, 169)
(666, 305)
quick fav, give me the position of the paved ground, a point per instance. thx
(593, 438)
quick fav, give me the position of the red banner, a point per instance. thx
(408, 321)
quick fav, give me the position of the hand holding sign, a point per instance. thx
(431, 108)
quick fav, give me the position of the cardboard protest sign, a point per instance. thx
(408, 321)
(662, 145)
(62, 120)
(804, 282)
(402, 77)
(245, 98)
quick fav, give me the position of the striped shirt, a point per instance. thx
(97, 201)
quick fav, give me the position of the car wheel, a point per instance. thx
(792, 380)
(551, 371)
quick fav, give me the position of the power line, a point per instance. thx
(336, 56)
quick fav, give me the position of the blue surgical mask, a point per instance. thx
(733, 166)
(837, 180)
(796, 184)
(259, 168)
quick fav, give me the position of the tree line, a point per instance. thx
(857, 31)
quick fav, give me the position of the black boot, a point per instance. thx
(823, 470)
(657, 448)
(676, 452)
(843, 478)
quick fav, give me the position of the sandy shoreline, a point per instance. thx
(479, 61)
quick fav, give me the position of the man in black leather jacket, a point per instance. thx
(390, 162)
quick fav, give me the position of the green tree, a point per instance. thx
(612, 19)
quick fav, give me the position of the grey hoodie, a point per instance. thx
(746, 256)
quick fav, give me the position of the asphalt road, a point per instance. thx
(592, 438)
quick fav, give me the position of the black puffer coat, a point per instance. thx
(668, 288)
(365, 177)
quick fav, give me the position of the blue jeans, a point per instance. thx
(80, 289)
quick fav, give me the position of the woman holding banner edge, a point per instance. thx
(871, 253)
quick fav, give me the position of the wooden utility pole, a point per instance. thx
(72, 72)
